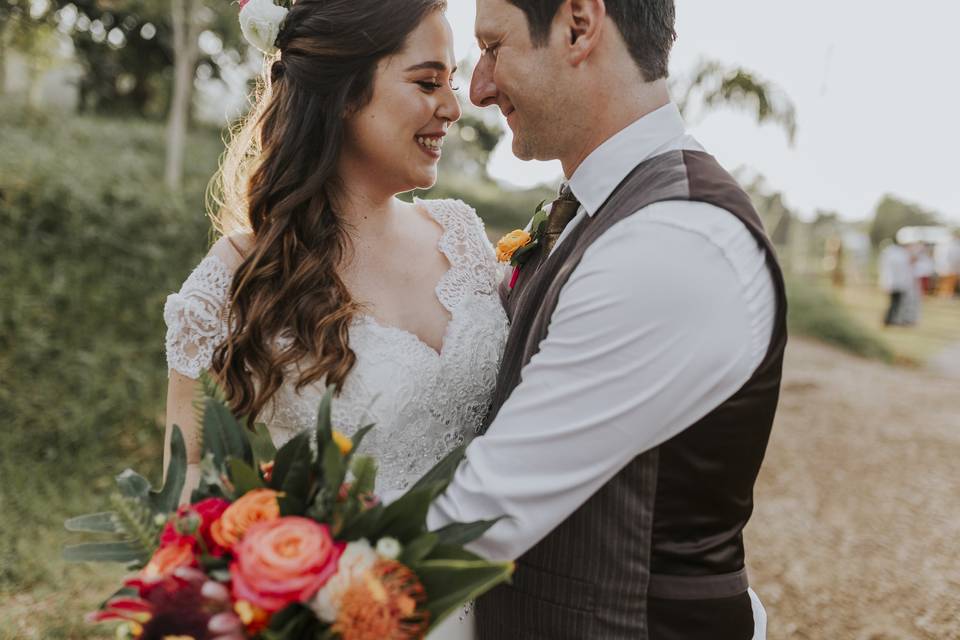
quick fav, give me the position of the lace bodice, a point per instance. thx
(423, 403)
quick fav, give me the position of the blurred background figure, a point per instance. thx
(923, 267)
(947, 263)
(896, 278)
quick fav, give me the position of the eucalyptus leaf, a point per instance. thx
(126, 551)
(104, 522)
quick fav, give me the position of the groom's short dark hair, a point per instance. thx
(647, 27)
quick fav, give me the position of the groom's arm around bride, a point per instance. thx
(642, 370)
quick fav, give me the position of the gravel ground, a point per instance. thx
(856, 530)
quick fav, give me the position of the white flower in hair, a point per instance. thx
(260, 22)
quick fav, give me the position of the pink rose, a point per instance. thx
(279, 562)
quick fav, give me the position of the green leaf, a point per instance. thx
(133, 485)
(363, 525)
(452, 552)
(295, 489)
(334, 469)
(359, 435)
(223, 435)
(419, 548)
(243, 477)
(168, 498)
(126, 551)
(297, 448)
(324, 420)
(295, 621)
(443, 471)
(405, 519)
(104, 522)
(461, 533)
(450, 583)
(364, 470)
(262, 444)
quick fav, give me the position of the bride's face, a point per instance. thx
(397, 136)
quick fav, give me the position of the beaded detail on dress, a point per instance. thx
(424, 403)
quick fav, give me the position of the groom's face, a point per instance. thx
(518, 78)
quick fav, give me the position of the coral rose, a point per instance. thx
(283, 561)
(205, 512)
(168, 559)
(259, 505)
(510, 243)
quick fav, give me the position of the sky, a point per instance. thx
(875, 85)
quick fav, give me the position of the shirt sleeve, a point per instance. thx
(650, 334)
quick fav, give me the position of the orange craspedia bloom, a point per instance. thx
(344, 443)
(259, 505)
(166, 560)
(510, 243)
(383, 605)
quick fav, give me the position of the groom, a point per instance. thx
(642, 371)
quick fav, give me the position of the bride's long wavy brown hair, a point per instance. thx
(289, 309)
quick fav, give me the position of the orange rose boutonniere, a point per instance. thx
(517, 246)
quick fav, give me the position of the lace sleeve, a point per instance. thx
(196, 317)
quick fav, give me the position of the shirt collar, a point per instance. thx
(606, 167)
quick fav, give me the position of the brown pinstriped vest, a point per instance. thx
(657, 552)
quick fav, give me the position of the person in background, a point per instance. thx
(896, 277)
(923, 268)
(947, 258)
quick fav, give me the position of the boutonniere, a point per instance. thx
(517, 246)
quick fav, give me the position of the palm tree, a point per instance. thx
(712, 85)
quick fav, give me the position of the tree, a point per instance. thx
(712, 85)
(892, 214)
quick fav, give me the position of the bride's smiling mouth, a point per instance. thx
(430, 143)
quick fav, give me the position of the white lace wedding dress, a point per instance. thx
(424, 403)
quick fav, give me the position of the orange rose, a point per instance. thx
(283, 561)
(167, 560)
(259, 505)
(509, 244)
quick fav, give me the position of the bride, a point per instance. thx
(322, 275)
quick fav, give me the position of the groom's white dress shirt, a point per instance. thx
(667, 315)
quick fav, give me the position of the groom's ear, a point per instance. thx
(583, 23)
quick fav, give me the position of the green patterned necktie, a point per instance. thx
(562, 211)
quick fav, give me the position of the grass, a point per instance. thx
(937, 330)
(815, 311)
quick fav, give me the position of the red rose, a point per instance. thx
(205, 513)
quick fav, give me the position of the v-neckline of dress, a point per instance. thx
(441, 247)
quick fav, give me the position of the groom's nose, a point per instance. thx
(483, 90)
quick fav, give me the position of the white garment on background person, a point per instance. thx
(424, 403)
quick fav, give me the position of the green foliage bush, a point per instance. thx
(815, 312)
(92, 244)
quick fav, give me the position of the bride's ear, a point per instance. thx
(583, 23)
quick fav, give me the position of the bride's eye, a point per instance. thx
(429, 85)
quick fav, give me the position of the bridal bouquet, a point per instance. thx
(281, 544)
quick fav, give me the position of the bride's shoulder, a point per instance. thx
(232, 249)
(453, 212)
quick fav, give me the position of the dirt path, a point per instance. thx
(856, 532)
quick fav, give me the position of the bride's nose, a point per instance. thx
(450, 109)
